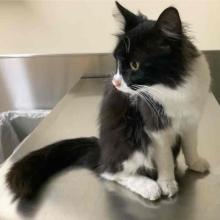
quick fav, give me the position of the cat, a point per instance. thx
(150, 110)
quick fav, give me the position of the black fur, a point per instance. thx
(161, 47)
(164, 53)
(28, 175)
(121, 129)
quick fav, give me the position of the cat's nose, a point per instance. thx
(116, 82)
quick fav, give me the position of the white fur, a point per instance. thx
(123, 87)
(136, 161)
(184, 105)
(163, 141)
(168, 187)
(186, 101)
(143, 186)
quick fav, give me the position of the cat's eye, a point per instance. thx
(134, 65)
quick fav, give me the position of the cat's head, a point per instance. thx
(151, 52)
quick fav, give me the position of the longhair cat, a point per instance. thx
(150, 110)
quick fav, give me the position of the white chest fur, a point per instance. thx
(186, 102)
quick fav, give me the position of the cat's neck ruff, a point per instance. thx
(187, 99)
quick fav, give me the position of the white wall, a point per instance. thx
(87, 26)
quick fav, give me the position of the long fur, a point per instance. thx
(147, 114)
(28, 175)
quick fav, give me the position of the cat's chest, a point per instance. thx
(187, 100)
(137, 160)
(153, 115)
(158, 116)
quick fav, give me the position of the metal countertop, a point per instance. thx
(79, 195)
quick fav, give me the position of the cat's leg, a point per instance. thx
(162, 142)
(189, 146)
(143, 186)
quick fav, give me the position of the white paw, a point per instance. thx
(146, 188)
(201, 166)
(151, 191)
(168, 187)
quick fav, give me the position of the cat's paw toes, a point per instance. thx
(151, 191)
(168, 187)
(201, 166)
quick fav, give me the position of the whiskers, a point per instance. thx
(143, 93)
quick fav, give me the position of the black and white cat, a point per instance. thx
(150, 109)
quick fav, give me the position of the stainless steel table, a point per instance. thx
(79, 195)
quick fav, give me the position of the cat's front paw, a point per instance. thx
(151, 191)
(168, 187)
(201, 166)
(145, 187)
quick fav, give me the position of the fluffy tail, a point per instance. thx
(28, 175)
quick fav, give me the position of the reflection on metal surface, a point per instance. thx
(14, 83)
(39, 82)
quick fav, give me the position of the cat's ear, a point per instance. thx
(169, 22)
(131, 20)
